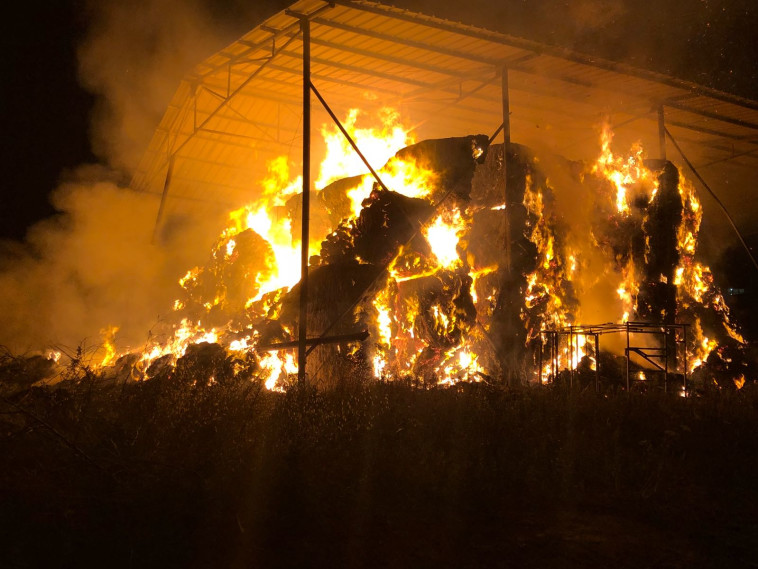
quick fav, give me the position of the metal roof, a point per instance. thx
(242, 106)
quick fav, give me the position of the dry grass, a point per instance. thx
(164, 474)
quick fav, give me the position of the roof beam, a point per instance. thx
(514, 63)
(408, 43)
(400, 61)
(711, 131)
(710, 115)
(362, 71)
(275, 33)
(544, 49)
(748, 154)
(343, 82)
(252, 48)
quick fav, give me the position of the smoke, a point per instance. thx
(93, 265)
(707, 42)
(81, 269)
(133, 58)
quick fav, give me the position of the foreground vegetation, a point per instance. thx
(163, 474)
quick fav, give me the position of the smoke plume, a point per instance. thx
(93, 265)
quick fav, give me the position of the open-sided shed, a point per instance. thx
(265, 95)
(244, 105)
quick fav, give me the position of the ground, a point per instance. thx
(163, 474)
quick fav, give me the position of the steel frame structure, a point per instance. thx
(668, 337)
(518, 55)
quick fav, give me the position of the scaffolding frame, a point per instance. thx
(670, 337)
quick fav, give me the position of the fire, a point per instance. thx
(377, 144)
(109, 336)
(442, 236)
(275, 368)
(634, 215)
(625, 173)
(703, 346)
(460, 365)
(53, 355)
(430, 311)
(402, 176)
(546, 284)
(628, 291)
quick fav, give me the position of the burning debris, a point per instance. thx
(453, 278)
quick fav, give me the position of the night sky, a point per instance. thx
(46, 113)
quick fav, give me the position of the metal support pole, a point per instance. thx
(164, 195)
(506, 143)
(556, 356)
(349, 138)
(661, 134)
(542, 346)
(627, 356)
(666, 359)
(305, 26)
(684, 375)
(571, 356)
(597, 363)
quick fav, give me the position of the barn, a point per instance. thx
(272, 93)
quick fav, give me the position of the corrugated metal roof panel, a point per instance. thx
(242, 106)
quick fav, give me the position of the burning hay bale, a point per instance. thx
(456, 264)
(320, 218)
(386, 222)
(18, 373)
(387, 233)
(205, 364)
(221, 289)
(453, 160)
(656, 301)
(444, 315)
(332, 290)
(336, 200)
(432, 169)
(529, 290)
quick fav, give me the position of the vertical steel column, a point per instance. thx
(571, 355)
(628, 355)
(661, 134)
(305, 26)
(506, 143)
(542, 346)
(684, 375)
(597, 363)
(666, 359)
(164, 195)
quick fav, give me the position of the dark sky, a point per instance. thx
(46, 113)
